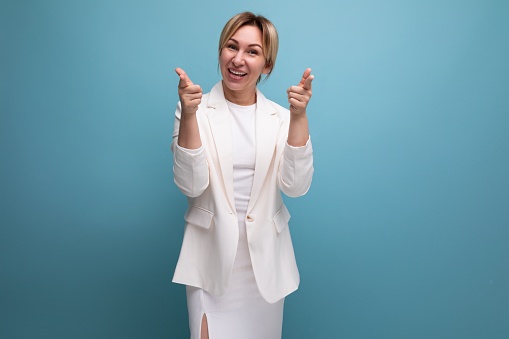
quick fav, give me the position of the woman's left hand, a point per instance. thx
(299, 96)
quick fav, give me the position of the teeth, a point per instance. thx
(237, 73)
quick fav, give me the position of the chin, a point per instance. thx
(232, 86)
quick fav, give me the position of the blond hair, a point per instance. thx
(270, 40)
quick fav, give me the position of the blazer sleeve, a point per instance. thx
(296, 170)
(190, 167)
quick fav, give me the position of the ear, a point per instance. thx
(267, 69)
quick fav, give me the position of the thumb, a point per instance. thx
(184, 79)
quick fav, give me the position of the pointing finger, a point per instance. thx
(306, 74)
(307, 83)
(184, 79)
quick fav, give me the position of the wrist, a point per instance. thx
(298, 116)
(188, 113)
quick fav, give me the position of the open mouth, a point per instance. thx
(235, 73)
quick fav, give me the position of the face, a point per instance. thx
(241, 63)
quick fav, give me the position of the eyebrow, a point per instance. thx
(250, 45)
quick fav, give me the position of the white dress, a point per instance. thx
(241, 313)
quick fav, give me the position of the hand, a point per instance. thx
(189, 93)
(299, 96)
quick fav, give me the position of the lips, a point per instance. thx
(236, 73)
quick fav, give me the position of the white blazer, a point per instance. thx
(206, 178)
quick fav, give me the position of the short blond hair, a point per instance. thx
(270, 40)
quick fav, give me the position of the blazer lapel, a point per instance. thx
(267, 127)
(218, 115)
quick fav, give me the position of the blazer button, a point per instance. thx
(250, 218)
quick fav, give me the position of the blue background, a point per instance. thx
(404, 234)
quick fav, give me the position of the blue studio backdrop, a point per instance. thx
(404, 233)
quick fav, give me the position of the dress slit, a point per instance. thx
(204, 316)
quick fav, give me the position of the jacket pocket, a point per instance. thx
(199, 216)
(281, 219)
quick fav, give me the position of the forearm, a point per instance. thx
(189, 134)
(298, 132)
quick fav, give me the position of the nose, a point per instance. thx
(238, 59)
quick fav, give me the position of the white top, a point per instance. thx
(244, 154)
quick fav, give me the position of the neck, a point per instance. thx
(243, 98)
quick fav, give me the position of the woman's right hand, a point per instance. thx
(189, 93)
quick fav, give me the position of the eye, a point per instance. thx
(231, 47)
(252, 52)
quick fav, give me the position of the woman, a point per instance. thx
(234, 152)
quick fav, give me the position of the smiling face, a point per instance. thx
(242, 61)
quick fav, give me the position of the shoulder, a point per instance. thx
(272, 106)
(280, 109)
(214, 98)
(205, 98)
